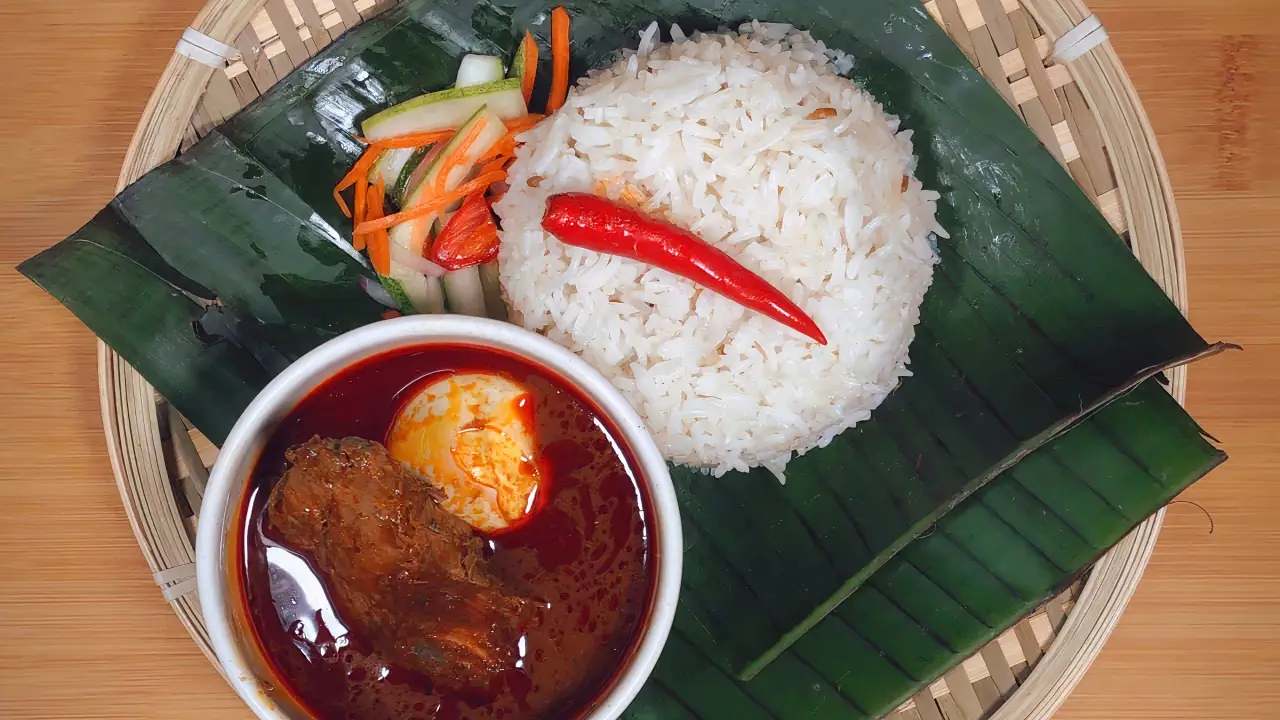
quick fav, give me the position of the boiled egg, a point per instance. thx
(472, 436)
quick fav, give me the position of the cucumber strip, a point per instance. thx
(447, 109)
(494, 306)
(478, 70)
(396, 167)
(423, 294)
(397, 293)
(464, 293)
(516, 72)
(404, 179)
(524, 64)
(389, 165)
(413, 234)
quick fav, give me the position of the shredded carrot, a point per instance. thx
(380, 252)
(821, 113)
(374, 152)
(455, 159)
(559, 59)
(357, 171)
(504, 150)
(495, 165)
(433, 204)
(414, 140)
(506, 147)
(522, 123)
(529, 53)
(371, 156)
(379, 241)
(362, 198)
(372, 211)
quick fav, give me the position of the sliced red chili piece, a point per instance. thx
(469, 238)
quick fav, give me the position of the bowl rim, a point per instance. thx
(219, 516)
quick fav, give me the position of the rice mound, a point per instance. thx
(717, 133)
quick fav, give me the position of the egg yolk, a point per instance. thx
(470, 435)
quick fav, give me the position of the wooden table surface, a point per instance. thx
(85, 633)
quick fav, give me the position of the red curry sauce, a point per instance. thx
(585, 558)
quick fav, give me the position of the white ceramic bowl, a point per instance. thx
(216, 556)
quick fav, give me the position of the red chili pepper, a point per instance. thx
(469, 238)
(596, 223)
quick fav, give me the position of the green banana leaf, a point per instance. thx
(1011, 546)
(1038, 317)
(209, 275)
(120, 287)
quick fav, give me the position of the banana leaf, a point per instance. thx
(1038, 316)
(121, 288)
(1002, 553)
(209, 275)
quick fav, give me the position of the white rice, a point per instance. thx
(712, 129)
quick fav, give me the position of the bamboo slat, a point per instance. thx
(1086, 113)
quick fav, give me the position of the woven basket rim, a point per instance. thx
(134, 440)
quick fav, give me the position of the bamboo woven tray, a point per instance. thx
(1084, 111)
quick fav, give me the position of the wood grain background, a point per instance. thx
(84, 632)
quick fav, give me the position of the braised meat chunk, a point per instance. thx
(410, 575)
